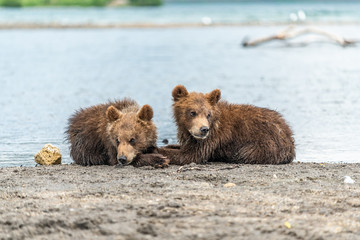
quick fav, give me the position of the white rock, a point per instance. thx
(206, 20)
(229, 185)
(349, 180)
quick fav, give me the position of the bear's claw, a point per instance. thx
(162, 162)
(152, 159)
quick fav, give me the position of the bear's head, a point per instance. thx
(131, 133)
(195, 112)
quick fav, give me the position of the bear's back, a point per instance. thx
(262, 132)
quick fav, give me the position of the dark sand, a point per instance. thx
(296, 201)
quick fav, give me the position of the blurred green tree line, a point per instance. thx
(84, 3)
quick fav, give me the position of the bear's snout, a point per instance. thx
(126, 153)
(200, 133)
(204, 130)
(199, 127)
(122, 159)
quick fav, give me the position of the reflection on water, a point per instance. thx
(46, 75)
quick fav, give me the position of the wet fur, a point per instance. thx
(238, 133)
(90, 139)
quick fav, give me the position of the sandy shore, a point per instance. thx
(218, 201)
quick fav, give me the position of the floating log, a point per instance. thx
(291, 32)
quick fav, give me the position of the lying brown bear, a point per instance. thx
(114, 133)
(213, 130)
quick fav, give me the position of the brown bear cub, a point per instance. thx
(115, 133)
(213, 130)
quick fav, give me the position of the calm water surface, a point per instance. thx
(221, 12)
(45, 75)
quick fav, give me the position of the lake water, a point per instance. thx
(45, 75)
(221, 12)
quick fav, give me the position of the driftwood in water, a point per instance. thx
(290, 32)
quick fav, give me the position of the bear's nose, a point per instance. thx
(204, 130)
(122, 159)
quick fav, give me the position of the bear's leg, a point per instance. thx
(287, 154)
(88, 159)
(263, 153)
(84, 154)
(77, 152)
(151, 159)
(112, 156)
(78, 157)
(179, 157)
(173, 146)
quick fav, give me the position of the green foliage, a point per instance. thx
(84, 3)
(31, 3)
(78, 2)
(10, 3)
(145, 2)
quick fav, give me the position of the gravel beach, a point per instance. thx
(215, 201)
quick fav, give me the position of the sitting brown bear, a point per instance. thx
(213, 130)
(114, 133)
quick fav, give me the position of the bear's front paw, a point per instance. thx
(161, 161)
(152, 159)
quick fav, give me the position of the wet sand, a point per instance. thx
(217, 201)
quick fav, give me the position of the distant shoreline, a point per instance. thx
(4, 26)
(76, 3)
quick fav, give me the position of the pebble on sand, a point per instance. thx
(229, 185)
(48, 155)
(349, 180)
(287, 224)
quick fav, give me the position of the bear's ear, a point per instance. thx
(179, 92)
(146, 113)
(214, 96)
(113, 114)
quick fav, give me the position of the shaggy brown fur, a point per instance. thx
(114, 133)
(213, 130)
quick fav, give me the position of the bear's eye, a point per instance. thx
(209, 115)
(117, 141)
(192, 113)
(132, 141)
